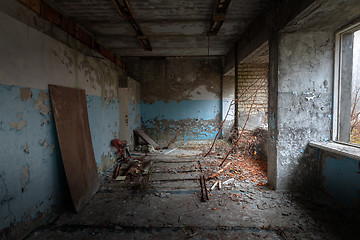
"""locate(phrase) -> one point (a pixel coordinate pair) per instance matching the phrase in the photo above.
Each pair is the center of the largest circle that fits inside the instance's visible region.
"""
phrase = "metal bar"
(204, 194)
(218, 16)
(126, 12)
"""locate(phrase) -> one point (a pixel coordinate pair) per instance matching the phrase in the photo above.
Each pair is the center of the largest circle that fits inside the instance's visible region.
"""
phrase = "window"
(347, 86)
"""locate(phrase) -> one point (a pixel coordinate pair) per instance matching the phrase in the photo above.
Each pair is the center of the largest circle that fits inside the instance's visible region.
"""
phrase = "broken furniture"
(124, 154)
(145, 137)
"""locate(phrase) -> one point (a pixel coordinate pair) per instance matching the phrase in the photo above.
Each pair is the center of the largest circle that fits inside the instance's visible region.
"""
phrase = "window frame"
(337, 83)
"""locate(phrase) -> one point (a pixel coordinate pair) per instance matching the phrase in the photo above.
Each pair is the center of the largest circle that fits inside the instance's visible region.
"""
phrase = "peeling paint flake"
(25, 177)
(26, 149)
(25, 94)
(45, 120)
(44, 143)
(18, 125)
(40, 105)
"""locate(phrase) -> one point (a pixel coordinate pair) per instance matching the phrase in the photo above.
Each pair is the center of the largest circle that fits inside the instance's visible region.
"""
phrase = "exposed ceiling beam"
(126, 12)
(219, 16)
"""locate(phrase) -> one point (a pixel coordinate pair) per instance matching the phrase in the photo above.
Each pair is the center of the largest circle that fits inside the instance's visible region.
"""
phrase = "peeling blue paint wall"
(104, 126)
(181, 98)
(341, 178)
(134, 116)
(162, 116)
(32, 176)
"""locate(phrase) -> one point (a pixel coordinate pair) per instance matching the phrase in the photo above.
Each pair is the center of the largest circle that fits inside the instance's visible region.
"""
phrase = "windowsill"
(338, 148)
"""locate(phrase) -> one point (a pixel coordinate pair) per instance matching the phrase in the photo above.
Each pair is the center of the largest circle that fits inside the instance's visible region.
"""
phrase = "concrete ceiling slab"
(175, 28)
(326, 15)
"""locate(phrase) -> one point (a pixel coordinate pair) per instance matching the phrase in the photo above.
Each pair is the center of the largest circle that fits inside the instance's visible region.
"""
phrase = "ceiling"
(326, 16)
(174, 28)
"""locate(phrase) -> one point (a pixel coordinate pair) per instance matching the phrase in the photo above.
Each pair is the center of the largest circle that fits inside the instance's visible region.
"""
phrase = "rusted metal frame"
(126, 12)
(204, 194)
(218, 16)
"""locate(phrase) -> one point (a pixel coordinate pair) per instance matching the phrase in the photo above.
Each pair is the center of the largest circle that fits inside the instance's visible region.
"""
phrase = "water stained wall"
(32, 178)
(181, 98)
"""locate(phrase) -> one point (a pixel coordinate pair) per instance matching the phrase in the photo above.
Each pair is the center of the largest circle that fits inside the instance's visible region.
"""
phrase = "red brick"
(82, 36)
(106, 53)
(33, 5)
(50, 14)
(119, 62)
(67, 26)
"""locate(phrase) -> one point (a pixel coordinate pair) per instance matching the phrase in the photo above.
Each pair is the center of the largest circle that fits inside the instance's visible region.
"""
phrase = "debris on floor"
(169, 206)
(140, 133)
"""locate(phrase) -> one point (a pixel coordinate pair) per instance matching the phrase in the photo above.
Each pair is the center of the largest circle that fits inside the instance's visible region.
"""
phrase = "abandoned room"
(159, 119)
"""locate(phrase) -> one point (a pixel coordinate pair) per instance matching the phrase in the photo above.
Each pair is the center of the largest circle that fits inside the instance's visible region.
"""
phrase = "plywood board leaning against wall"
(72, 125)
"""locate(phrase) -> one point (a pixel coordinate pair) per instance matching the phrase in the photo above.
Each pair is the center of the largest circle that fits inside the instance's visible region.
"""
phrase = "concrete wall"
(340, 178)
(300, 96)
(134, 107)
(32, 177)
(228, 96)
(181, 97)
(130, 115)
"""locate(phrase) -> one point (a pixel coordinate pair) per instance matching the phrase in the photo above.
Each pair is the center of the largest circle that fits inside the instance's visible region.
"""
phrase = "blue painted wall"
(104, 126)
(181, 98)
(134, 111)
(341, 178)
(195, 119)
(32, 182)
(32, 178)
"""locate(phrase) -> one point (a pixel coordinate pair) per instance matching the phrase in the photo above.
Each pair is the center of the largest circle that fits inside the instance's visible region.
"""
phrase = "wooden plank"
(72, 125)
(145, 137)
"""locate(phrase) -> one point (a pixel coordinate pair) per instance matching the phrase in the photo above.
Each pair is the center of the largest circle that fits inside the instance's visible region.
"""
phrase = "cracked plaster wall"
(32, 178)
(228, 95)
(301, 68)
(181, 98)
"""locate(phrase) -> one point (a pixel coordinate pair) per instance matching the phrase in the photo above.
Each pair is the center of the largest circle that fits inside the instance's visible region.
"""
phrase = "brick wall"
(252, 77)
(248, 74)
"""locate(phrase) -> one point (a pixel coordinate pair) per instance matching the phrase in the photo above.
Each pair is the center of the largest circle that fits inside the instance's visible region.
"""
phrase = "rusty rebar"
(243, 128)
(233, 102)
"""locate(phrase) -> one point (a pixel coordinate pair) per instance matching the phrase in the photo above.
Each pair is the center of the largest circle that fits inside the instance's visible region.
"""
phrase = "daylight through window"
(347, 86)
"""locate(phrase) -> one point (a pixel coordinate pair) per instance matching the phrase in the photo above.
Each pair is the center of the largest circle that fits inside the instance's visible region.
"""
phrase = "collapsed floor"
(166, 204)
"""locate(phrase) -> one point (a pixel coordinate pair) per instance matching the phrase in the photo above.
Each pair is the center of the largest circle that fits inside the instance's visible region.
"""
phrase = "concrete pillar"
(300, 95)
(228, 91)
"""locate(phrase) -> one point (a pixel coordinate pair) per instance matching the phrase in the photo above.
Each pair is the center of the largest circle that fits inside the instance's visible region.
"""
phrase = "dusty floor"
(166, 204)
